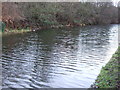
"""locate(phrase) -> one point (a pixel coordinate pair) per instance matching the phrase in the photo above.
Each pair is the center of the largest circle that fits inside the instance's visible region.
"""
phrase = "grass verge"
(109, 75)
(14, 31)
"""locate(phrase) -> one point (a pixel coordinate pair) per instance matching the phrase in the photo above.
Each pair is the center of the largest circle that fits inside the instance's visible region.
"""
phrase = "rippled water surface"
(62, 58)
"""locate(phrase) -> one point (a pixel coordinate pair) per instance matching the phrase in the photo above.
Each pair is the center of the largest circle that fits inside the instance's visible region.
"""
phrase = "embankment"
(109, 75)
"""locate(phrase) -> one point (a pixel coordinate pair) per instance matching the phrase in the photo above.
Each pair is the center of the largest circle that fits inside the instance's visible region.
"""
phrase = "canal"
(57, 58)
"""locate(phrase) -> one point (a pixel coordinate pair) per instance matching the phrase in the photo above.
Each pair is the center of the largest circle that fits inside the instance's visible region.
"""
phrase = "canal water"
(57, 58)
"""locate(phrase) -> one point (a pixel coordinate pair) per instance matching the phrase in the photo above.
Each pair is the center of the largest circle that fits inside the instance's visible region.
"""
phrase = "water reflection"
(57, 58)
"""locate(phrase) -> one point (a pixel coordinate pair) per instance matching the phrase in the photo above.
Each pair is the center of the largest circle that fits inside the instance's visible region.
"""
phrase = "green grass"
(14, 31)
(108, 77)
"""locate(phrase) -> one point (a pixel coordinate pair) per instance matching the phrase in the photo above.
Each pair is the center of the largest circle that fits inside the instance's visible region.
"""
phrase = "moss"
(15, 31)
(108, 77)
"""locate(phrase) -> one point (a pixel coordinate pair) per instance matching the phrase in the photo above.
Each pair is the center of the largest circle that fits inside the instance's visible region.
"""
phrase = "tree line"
(53, 14)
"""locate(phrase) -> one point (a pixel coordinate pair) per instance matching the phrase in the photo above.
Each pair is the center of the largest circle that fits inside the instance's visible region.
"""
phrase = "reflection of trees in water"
(51, 42)
(54, 46)
(11, 61)
(94, 44)
(36, 54)
(9, 42)
(42, 64)
(67, 39)
(25, 56)
(95, 36)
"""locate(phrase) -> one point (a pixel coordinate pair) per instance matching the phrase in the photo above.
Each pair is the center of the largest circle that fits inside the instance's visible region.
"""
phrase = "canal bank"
(39, 15)
(109, 75)
(15, 32)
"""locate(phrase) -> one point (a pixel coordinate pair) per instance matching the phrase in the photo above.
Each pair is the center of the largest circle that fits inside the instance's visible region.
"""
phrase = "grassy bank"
(15, 31)
(109, 75)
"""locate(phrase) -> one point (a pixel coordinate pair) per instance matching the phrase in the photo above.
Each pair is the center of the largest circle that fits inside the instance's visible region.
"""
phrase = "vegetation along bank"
(35, 16)
(109, 75)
